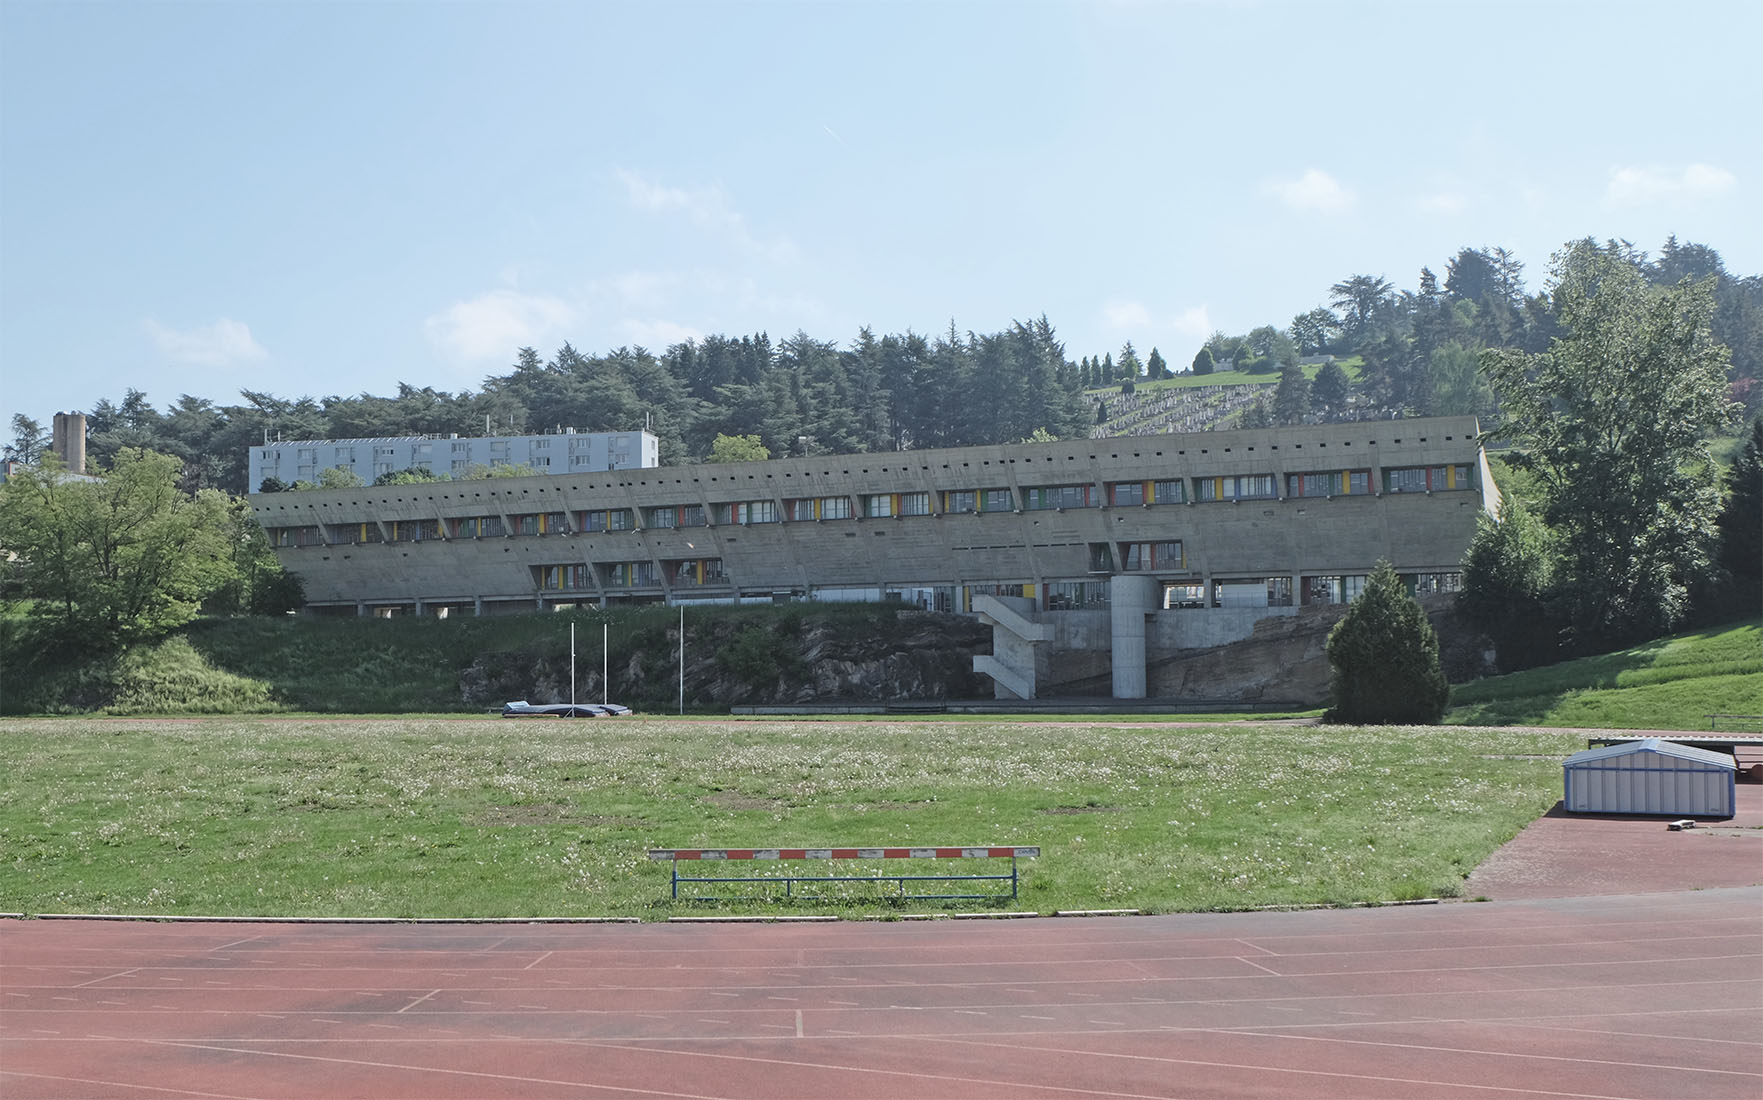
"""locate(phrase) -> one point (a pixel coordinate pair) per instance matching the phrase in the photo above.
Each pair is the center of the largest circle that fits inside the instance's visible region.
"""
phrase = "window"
(1423, 479)
(1252, 592)
(460, 446)
(628, 574)
(1183, 595)
(1241, 487)
(384, 452)
(1167, 492)
(614, 519)
(539, 462)
(294, 536)
(1126, 494)
(799, 511)
(1101, 558)
(1331, 589)
(877, 505)
(415, 530)
(541, 445)
(1335, 483)
(690, 574)
(1146, 556)
(835, 507)
(346, 454)
(915, 504)
(995, 500)
(744, 512)
(477, 527)
(1077, 595)
(564, 577)
(961, 500)
(1432, 584)
(970, 591)
(1057, 496)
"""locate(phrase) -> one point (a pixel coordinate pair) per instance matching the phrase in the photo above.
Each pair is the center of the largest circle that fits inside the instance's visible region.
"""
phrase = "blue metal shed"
(1650, 776)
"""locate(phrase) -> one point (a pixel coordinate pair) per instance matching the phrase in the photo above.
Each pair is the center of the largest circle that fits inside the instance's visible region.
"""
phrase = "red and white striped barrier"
(843, 853)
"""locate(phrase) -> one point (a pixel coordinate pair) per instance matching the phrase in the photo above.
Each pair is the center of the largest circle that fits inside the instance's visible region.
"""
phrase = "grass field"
(486, 818)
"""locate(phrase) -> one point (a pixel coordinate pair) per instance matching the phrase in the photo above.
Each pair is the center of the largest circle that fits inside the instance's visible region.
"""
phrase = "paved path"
(1618, 959)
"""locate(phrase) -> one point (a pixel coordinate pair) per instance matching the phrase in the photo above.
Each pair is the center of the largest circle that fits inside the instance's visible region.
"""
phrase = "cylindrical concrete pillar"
(1130, 599)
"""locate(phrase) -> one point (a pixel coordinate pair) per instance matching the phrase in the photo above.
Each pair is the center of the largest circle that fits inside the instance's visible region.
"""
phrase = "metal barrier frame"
(676, 856)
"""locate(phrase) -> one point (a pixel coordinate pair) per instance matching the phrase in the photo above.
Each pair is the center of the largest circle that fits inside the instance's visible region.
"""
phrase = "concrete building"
(1130, 546)
(565, 452)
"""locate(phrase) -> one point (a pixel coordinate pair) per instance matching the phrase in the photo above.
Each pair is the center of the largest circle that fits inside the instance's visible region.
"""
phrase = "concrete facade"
(1233, 526)
(565, 452)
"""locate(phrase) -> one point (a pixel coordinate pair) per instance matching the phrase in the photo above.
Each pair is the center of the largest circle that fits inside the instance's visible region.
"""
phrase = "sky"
(331, 198)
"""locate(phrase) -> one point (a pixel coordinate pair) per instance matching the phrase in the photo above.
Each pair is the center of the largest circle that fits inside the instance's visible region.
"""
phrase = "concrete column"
(477, 606)
(360, 609)
(1130, 599)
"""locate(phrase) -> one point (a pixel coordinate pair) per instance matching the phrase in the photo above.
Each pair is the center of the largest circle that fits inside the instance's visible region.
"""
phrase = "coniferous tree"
(1155, 367)
(1203, 360)
(1384, 659)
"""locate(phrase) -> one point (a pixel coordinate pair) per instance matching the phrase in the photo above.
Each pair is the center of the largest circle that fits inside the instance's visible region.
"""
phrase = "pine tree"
(1384, 657)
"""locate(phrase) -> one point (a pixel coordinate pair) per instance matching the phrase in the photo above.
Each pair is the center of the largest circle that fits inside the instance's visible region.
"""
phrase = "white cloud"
(1192, 322)
(1639, 186)
(1314, 190)
(1126, 314)
(493, 325)
(225, 343)
(708, 208)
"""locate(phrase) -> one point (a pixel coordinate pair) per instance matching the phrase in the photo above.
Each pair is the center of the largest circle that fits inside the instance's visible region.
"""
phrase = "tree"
(1613, 419)
(1741, 524)
(1362, 300)
(1155, 367)
(738, 448)
(29, 441)
(1384, 659)
(1507, 577)
(339, 477)
(1328, 390)
(1203, 363)
(1130, 368)
(1312, 331)
(116, 558)
(1291, 398)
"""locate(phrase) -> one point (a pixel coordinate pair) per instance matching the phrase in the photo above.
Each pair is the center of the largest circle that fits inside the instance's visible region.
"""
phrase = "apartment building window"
(1101, 558)
(1077, 595)
(1252, 592)
(294, 536)
(1333, 483)
(540, 445)
(539, 462)
(1329, 589)
(1126, 494)
(968, 592)
(384, 452)
(381, 468)
(415, 530)
(1146, 556)
(915, 504)
(1240, 487)
(1041, 499)
(835, 507)
(627, 574)
(747, 512)
(1183, 595)
(694, 573)
(345, 455)
(800, 511)
(564, 578)
(1433, 584)
(612, 519)
(961, 500)
(1425, 479)
(995, 500)
(351, 534)
(1167, 492)
(878, 505)
(477, 527)
(460, 446)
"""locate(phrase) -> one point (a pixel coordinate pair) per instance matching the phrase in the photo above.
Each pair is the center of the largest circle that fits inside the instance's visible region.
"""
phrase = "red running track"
(1650, 995)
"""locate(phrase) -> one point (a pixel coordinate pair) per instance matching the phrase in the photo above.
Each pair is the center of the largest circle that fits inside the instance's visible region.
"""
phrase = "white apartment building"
(567, 452)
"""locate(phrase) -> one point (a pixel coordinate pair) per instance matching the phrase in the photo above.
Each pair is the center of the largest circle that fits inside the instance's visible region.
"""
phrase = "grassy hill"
(1671, 683)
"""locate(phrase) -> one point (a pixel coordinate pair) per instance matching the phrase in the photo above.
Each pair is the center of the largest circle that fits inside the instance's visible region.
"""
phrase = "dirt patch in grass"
(735, 800)
(1082, 810)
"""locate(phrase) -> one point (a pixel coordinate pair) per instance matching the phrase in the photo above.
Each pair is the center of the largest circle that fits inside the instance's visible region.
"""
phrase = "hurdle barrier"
(688, 856)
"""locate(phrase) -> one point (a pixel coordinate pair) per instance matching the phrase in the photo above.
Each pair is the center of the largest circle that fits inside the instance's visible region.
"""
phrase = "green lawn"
(490, 818)
(1670, 684)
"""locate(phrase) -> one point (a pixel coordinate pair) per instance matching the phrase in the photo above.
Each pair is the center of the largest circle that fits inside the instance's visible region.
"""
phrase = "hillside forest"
(1416, 352)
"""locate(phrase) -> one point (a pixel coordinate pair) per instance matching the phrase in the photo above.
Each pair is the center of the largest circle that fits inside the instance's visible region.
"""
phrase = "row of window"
(579, 577)
(1413, 479)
